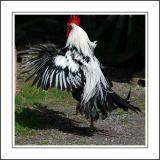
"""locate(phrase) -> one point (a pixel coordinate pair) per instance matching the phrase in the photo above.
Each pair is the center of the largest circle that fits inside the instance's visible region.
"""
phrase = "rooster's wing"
(50, 67)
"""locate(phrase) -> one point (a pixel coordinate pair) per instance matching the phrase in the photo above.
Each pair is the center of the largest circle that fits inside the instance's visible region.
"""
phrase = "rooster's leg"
(99, 131)
(92, 123)
(77, 108)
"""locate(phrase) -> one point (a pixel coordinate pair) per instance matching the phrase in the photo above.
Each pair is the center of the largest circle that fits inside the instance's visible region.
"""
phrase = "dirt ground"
(63, 127)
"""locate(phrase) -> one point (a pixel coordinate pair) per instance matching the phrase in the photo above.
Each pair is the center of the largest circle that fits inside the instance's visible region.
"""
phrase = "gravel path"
(127, 129)
(63, 127)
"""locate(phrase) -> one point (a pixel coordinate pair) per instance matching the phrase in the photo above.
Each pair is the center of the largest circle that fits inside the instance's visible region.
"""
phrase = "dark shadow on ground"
(40, 117)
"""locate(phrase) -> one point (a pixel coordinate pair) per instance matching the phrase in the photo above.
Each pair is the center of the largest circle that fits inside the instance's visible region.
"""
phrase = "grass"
(29, 103)
(119, 111)
(27, 95)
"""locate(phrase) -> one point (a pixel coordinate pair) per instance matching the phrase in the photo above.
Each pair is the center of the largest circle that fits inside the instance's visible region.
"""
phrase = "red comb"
(73, 19)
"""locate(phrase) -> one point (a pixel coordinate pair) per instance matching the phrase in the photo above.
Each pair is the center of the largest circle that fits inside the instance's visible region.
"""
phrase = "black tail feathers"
(95, 108)
(128, 96)
(123, 103)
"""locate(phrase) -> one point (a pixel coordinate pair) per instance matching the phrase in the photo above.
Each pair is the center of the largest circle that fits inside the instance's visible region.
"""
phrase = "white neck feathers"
(79, 39)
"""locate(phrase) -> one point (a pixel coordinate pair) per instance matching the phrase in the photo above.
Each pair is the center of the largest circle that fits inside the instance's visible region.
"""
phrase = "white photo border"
(151, 151)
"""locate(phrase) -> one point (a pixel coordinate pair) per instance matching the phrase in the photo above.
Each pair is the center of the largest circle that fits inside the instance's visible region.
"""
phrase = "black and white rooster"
(75, 68)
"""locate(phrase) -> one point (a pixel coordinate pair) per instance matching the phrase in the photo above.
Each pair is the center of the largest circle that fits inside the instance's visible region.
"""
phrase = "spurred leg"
(100, 131)
(92, 123)
(77, 108)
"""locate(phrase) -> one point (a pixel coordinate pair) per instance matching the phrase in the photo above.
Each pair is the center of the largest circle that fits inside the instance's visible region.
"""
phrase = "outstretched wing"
(52, 68)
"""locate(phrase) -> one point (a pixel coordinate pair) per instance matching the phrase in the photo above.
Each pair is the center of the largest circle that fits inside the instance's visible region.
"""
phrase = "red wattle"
(68, 31)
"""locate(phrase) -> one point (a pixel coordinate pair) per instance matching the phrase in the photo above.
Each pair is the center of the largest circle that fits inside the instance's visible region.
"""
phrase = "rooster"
(75, 68)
